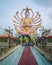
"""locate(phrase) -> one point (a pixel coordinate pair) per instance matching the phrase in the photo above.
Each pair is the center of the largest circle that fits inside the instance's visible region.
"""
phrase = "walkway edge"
(11, 51)
(43, 53)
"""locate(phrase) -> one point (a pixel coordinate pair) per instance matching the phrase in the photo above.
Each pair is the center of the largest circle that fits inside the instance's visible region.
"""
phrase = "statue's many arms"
(27, 24)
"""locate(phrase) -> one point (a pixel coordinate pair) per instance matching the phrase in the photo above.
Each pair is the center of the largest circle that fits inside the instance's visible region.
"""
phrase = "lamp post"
(9, 36)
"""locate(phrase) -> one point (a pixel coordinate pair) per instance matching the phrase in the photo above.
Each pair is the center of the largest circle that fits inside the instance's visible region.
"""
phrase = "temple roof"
(6, 36)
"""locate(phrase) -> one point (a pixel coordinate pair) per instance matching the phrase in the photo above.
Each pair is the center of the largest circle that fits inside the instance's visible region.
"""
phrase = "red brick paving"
(27, 57)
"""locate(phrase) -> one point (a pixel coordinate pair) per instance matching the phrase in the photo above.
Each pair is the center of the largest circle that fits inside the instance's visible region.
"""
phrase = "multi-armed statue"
(27, 24)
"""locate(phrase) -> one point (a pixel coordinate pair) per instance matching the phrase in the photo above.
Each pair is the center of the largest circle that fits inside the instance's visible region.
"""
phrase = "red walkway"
(27, 58)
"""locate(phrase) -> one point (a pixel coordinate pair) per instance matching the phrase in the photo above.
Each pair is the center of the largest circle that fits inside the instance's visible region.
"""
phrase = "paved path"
(27, 57)
(13, 58)
(9, 52)
(40, 58)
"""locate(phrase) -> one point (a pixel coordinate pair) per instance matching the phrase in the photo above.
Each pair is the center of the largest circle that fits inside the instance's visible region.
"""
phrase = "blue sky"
(9, 7)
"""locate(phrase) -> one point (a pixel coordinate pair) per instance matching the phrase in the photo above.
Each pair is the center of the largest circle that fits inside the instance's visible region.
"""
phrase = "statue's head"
(27, 13)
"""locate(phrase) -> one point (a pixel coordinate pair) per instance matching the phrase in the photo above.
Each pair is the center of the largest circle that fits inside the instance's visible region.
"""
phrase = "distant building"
(47, 38)
(5, 39)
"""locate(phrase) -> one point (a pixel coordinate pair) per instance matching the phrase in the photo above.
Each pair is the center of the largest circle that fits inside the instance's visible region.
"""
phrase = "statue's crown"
(27, 10)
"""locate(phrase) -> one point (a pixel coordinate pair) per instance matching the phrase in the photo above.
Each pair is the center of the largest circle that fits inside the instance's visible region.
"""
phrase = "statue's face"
(27, 14)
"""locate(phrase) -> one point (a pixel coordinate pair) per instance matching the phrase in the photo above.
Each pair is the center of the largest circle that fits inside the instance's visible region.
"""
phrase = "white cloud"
(43, 3)
(49, 12)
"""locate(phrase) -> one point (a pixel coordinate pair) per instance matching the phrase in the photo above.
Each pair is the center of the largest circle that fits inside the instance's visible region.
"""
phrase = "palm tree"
(9, 33)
